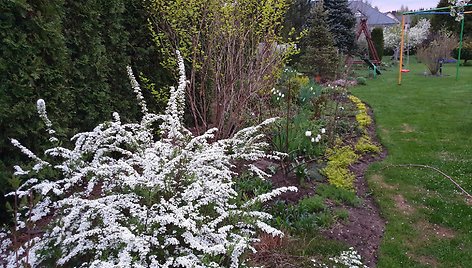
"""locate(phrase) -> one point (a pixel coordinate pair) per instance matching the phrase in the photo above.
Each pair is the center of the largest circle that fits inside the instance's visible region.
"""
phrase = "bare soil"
(365, 227)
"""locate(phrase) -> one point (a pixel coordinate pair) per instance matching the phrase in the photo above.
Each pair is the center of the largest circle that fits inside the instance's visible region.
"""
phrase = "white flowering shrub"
(130, 195)
(414, 36)
(349, 259)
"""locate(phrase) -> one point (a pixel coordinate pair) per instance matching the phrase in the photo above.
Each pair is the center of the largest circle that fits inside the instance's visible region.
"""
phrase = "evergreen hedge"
(72, 54)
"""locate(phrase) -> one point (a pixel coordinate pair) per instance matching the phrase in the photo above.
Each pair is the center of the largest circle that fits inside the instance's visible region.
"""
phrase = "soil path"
(364, 228)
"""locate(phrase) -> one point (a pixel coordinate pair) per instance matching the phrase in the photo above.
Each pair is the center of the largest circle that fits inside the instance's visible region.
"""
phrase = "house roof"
(374, 17)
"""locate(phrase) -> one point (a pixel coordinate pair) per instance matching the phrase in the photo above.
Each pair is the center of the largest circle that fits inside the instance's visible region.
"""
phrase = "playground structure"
(374, 59)
(434, 11)
(364, 29)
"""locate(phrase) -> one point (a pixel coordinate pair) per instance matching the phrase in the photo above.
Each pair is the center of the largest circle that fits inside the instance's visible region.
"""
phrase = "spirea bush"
(146, 194)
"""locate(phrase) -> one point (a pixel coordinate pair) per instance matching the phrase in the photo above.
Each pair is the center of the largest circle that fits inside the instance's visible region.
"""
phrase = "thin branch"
(438, 171)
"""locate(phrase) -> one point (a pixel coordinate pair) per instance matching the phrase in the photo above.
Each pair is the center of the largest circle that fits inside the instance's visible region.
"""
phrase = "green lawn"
(427, 120)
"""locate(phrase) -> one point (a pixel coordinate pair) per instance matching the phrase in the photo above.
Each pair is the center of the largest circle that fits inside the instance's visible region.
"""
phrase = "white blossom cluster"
(277, 93)
(414, 36)
(129, 195)
(349, 258)
(318, 137)
(457, 10)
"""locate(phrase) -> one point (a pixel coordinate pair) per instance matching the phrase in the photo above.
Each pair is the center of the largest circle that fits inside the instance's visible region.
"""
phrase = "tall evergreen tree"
(378, 39)
(318, 54)
(342, 24)
(296, 16)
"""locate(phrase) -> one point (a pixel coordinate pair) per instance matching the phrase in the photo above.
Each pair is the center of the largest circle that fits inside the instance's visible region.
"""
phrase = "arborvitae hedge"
(72, 54)
(378, 39)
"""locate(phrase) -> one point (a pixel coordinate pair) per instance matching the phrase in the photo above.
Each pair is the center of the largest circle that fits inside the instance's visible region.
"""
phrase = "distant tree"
(466, 52)
(403, 9)
(296, 16)
(318, 54)
(378, 39)
(450, 23)
(342, 24)
(416, 35)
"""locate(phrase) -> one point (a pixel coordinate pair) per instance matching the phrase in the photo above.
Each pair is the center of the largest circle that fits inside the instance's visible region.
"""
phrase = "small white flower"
(308, 133)
(323, 131)
(312, 139)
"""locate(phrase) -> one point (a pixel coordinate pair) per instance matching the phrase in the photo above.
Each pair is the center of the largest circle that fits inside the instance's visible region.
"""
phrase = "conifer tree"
(319, 54)
(378, 39)
(342, 24)
(296, 16)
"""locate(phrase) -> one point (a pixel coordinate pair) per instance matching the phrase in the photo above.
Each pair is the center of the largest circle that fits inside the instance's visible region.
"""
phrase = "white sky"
(389, 5)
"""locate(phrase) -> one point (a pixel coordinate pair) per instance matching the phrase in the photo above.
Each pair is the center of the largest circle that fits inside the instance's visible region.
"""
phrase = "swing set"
(435, 11)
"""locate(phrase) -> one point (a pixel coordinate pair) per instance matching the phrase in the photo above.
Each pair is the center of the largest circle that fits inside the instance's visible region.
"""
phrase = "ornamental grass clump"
(130, 195)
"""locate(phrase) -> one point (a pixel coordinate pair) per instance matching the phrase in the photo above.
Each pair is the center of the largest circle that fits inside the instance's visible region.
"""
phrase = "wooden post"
(460, 49)
(401, 52)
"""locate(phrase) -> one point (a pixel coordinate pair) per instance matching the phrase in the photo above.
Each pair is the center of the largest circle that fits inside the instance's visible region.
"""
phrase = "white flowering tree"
(414, 36)
(130, 195)
(458, 9)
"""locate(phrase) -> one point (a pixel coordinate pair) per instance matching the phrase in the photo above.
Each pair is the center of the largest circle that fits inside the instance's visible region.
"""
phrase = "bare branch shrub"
(235, 53)
(439, 48)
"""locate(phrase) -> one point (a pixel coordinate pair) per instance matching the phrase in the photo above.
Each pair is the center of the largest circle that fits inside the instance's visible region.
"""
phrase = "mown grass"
(426, 120)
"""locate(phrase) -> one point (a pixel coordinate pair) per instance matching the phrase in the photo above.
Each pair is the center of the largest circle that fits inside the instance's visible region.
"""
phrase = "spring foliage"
(128, 195)
(337, 170)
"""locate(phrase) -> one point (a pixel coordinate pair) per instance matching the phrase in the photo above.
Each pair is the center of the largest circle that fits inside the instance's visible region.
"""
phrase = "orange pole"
(401, 52)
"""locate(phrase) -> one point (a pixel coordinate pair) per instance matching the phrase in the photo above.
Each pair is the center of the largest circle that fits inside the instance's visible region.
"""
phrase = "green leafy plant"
(361, 80)
(311, 204)
(337, 169)
(297, 143)
(365, 145)
(338, 195)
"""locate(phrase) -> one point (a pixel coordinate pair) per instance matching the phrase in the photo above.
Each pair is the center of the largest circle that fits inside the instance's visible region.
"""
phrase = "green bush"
(341, 214)
(361, 81)
(309, 214)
